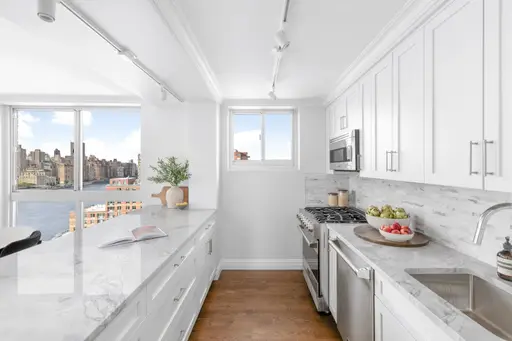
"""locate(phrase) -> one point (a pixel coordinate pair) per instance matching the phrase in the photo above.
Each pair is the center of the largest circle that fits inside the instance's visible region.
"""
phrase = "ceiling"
(237, 36)
(224, 45)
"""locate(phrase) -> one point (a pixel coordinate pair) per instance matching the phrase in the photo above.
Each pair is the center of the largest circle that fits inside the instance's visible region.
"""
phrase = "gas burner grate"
(337, 215)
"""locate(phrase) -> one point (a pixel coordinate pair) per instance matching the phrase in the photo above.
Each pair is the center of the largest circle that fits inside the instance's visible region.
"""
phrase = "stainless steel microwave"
(344, 152)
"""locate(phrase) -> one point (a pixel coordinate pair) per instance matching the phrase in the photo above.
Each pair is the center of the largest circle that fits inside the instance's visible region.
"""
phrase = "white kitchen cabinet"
(353, 108)
(367, 132)
(406, 159)
(382, 94)
(454, 68)
(333, 288)
(497, 142)
(387, 326)
(331, 112)
(339, 117)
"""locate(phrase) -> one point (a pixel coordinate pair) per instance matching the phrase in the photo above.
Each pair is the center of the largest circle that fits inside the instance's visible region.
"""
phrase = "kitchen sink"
(479, 299)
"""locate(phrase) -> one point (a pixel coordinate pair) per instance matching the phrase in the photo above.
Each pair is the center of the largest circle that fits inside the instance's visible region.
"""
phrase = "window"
(263, 138)
(72, 166)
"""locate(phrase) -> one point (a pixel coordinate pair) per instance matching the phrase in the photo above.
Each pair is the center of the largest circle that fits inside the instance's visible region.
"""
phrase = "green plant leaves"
(170, 170)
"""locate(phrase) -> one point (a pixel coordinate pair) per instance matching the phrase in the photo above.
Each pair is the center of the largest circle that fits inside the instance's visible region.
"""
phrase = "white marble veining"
(69, 290)
(446, 214)
(319, 185)
(392, 263)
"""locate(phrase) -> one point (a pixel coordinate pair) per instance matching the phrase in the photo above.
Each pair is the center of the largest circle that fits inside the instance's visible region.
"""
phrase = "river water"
(51, 218)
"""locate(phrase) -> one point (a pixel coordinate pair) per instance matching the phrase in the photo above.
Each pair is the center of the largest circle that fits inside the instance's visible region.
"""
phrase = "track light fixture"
(272, 95)
(46, 10)
(163, 94)
(128, 55)
(282, 41)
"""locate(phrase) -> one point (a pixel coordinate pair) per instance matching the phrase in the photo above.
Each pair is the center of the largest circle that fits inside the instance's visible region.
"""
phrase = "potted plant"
(170, 170)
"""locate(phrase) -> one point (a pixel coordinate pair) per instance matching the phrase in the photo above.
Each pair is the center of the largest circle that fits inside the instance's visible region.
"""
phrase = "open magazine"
(138, 234)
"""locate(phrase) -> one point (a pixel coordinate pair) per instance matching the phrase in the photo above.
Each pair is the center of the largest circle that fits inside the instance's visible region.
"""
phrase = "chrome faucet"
(484, 218)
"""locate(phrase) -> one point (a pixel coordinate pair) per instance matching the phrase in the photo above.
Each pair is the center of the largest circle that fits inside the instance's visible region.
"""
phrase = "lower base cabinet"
(387, 326)
(168, 306)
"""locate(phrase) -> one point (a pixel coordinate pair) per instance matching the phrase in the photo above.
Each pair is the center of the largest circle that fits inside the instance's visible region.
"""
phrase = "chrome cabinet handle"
(180, 296)
(364, 273)
(178, 264)
(471, 144)
(487, 142)
(392, 169)
(182, 335)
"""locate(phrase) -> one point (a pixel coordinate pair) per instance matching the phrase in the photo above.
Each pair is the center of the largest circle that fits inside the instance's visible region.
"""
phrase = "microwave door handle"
(364, 273)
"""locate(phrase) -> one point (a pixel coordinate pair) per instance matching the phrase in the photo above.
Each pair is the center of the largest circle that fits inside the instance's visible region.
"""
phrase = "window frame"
(263, 164)
(77, 194)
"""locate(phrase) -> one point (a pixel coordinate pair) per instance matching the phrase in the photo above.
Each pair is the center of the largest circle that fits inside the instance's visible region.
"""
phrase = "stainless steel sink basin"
(480, 300)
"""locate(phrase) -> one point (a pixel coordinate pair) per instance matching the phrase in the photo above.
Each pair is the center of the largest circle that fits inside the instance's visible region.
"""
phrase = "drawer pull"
(178, 264)
(182, 335)
(180, 296)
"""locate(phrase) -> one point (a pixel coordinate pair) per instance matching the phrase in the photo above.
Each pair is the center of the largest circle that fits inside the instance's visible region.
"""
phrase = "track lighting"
(272, 95)
(46, 10)
(163, 94)
(127, 55)
(282, 40)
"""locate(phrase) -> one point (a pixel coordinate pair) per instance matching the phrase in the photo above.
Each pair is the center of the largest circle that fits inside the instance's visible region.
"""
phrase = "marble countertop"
(392, 263)
(68, 289)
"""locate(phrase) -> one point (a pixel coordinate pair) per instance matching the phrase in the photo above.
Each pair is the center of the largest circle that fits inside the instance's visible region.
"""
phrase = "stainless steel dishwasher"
(354, 294)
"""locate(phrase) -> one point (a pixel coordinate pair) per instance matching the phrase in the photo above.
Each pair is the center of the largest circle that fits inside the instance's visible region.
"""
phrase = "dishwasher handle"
(364, 273)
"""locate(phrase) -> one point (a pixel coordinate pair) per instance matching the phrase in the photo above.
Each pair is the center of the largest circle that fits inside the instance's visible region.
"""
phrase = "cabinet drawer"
(170, 324)
(171, 279)
(126, 323)
(419, 325)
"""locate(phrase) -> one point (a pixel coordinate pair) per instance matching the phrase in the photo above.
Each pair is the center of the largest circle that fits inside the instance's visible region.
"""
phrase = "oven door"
(344, 152)
(311, 258)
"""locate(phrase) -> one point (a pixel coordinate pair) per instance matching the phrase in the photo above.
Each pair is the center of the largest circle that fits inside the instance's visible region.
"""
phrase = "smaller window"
(263, 139)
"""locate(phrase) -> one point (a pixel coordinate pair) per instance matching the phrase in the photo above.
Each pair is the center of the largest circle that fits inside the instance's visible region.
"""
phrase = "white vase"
(173, 196)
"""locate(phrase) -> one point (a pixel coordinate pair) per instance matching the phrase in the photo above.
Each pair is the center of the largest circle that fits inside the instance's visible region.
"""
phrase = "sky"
(278, 135)
(108, 133)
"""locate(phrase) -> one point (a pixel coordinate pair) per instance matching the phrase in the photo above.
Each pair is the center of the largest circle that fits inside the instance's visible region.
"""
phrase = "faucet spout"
(484, 218)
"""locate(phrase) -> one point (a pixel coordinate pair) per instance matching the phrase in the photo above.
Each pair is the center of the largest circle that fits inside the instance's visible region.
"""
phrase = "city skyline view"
(107, 133)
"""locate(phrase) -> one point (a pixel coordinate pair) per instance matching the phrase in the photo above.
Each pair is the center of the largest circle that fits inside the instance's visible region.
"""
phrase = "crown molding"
(175, 20)
(412, 16)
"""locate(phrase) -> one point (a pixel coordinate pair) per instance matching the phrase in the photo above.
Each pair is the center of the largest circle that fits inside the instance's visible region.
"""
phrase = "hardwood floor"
(261, 305)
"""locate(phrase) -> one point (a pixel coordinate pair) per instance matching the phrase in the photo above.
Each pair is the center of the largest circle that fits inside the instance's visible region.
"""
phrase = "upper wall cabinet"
(497, 142)
(346, 112)
(367, 135)
(407, 154)
(454, 95)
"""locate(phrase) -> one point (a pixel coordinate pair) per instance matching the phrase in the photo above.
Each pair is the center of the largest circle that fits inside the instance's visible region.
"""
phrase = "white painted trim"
(71, 195)
(69, 100)
(412, 16)
(261, 264)
(175, 20)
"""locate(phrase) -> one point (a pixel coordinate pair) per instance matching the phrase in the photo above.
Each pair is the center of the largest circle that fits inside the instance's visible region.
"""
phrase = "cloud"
(123, 150)
(68, 118)
(25, 121)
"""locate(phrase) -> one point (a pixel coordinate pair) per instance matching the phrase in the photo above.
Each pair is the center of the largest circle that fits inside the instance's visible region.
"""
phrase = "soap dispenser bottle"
(504, 261)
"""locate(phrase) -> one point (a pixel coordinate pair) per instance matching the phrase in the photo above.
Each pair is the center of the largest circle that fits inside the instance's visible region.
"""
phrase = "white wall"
(188, 131)
(257, 209)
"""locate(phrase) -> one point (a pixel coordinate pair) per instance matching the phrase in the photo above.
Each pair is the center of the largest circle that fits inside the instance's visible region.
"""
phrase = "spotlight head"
(282, 40)
(163, 94)
(46, 10)
(272, 95)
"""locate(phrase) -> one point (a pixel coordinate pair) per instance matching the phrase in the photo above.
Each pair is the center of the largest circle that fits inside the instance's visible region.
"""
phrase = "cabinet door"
(498, 104)
(387, 327)
(367, 131)
(330, 120)
(340, 116)
(454, 95)
(333, 289)
(354, 108)
(407, 156)
(382, 77)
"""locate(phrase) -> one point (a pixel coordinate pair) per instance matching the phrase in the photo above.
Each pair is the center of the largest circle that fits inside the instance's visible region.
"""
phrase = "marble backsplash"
(446, 214)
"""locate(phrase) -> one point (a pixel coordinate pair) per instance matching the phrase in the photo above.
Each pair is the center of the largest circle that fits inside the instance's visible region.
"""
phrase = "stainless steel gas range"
(315, 246)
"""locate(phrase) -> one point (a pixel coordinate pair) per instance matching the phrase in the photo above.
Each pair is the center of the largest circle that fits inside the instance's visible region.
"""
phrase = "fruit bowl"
(399, 238)
(377, 222)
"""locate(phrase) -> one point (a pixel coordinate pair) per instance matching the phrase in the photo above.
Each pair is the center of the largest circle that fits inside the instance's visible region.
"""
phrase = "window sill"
(262, 167)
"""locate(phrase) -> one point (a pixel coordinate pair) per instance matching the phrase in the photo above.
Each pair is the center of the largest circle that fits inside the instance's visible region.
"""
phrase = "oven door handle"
(364, 273)
(311, 243)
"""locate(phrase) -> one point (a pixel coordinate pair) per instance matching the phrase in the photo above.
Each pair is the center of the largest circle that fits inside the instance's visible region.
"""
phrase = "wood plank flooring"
(261, 306)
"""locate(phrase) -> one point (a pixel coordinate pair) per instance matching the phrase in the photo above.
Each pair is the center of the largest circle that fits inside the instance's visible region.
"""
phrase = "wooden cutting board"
(373, 235)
